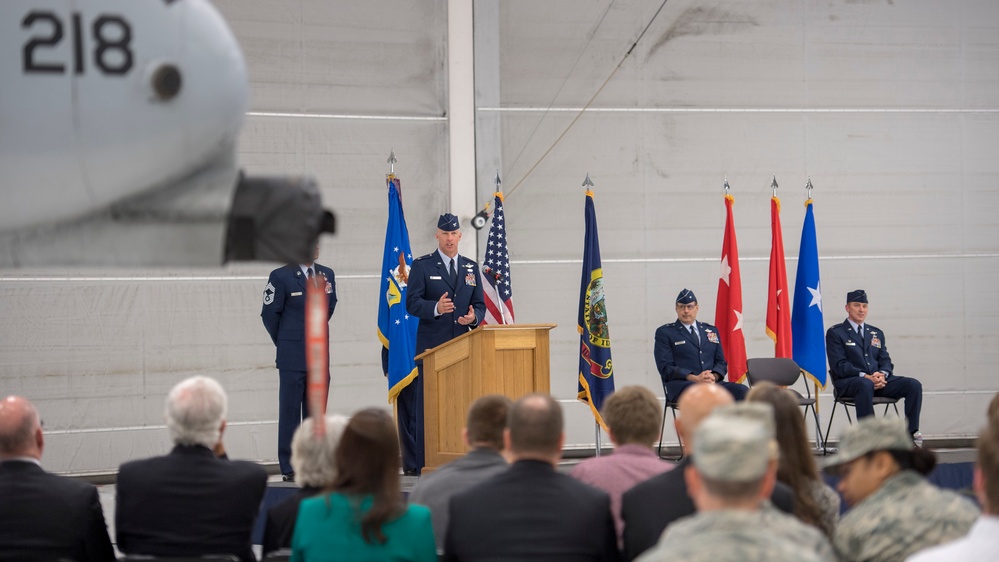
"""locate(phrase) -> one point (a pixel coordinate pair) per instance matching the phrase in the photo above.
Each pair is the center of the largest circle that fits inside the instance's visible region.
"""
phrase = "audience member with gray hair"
(312, 460)
(43, 516)
(732, 473)
(896, 511)
(190, 502)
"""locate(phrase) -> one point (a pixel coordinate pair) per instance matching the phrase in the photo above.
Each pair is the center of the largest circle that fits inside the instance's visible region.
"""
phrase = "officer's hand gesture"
(468, 318)
(444, 304)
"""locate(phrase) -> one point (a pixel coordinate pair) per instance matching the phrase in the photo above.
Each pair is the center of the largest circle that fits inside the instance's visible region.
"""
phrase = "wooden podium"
(508, 359)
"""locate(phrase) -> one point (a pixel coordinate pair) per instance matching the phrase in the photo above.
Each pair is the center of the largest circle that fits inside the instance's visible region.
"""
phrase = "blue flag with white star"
(396, 327)
(807, 329)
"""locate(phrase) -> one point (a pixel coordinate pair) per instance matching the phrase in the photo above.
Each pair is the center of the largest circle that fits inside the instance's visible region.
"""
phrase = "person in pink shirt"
(634, 419)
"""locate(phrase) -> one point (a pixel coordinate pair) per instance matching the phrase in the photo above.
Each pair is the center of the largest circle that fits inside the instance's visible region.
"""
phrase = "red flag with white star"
(778, 309)
(728, 305)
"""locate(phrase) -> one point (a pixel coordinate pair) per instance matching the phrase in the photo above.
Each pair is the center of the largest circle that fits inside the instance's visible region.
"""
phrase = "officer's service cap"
(686, 296)
(870, 434)
(735, 443)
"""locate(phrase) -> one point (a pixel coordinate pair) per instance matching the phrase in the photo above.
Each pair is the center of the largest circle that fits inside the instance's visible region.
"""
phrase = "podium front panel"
(510, 360)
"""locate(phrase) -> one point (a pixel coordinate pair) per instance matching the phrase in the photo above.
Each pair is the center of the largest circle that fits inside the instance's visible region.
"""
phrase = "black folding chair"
(669, 405)
(848, 403)
(784, 372)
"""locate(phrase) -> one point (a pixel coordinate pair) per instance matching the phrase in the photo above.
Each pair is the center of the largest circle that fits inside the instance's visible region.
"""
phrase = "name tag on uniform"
(437, 277)
(298, 294)
(850, 343)
(681, 342)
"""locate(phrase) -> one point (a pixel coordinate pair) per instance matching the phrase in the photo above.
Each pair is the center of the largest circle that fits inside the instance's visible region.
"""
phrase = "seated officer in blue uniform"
(444, 293)
(862, 369)
(688, 352)
(283, 313)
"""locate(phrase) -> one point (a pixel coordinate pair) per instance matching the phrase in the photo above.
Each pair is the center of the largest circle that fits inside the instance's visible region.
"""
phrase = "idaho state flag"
(778, 310)
(396, 328)
(806, 318)
(596, 370)
(728, 305)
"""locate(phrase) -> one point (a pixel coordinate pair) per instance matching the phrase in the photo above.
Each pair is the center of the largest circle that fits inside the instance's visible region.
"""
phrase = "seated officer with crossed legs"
(688, 352)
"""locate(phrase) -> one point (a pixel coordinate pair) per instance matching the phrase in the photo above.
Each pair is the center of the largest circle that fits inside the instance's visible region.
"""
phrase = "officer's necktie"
(308, 273)
(697, 336)
(860, 332)
(454, 274)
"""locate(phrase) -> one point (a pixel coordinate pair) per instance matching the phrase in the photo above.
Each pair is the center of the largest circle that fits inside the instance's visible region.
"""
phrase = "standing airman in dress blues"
(283, 313)
(862, 369)
(444, 293)
(688, 352)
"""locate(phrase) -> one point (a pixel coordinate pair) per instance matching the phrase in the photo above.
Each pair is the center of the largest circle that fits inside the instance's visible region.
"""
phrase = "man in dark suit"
(862, 369)
(43, 516)
(190, 502)
(444, 293)
(649, 507)
(483, 435)
(688, 352)
(531, 511)
(283, 313)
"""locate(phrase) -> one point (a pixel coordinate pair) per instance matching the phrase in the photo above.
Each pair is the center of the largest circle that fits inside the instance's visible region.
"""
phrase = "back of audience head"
(312, 456)
(20, 429)
(633, 415)
(987, 469)
(486, 421)
(534, 428)
(734, 461)
(796, 467)
(873, 450)
(696, 402)
(367, 463)
(993, 412)
(195, 412)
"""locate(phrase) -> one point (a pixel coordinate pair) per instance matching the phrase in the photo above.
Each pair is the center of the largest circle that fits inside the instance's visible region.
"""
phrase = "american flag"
(496, 286)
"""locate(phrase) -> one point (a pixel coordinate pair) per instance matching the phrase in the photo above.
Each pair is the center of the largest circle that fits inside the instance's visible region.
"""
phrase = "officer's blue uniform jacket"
(428, 280)
(679, 354)
(849, 356)
(283, 312)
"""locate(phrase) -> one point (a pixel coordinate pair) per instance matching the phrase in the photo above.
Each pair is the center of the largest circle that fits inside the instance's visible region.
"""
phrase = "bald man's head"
(696, 402)
(20, 429)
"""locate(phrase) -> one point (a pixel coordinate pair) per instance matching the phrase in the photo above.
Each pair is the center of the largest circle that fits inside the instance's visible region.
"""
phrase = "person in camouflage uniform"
(896, 511)
(733, 470)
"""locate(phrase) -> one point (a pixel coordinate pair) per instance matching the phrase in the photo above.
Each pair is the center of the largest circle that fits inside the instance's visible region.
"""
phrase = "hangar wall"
(890, 108)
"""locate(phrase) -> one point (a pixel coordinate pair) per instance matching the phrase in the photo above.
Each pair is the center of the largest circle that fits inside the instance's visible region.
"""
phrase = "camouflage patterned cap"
(870, 434)
(735, 443)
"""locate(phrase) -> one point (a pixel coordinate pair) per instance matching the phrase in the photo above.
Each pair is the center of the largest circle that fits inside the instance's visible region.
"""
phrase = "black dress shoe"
(290, 477)
(411, 472)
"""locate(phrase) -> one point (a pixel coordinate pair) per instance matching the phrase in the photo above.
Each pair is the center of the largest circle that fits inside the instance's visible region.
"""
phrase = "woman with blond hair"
(363, 516)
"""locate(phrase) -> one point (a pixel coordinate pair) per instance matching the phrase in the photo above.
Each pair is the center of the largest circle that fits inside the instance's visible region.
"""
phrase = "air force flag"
(807, 333)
